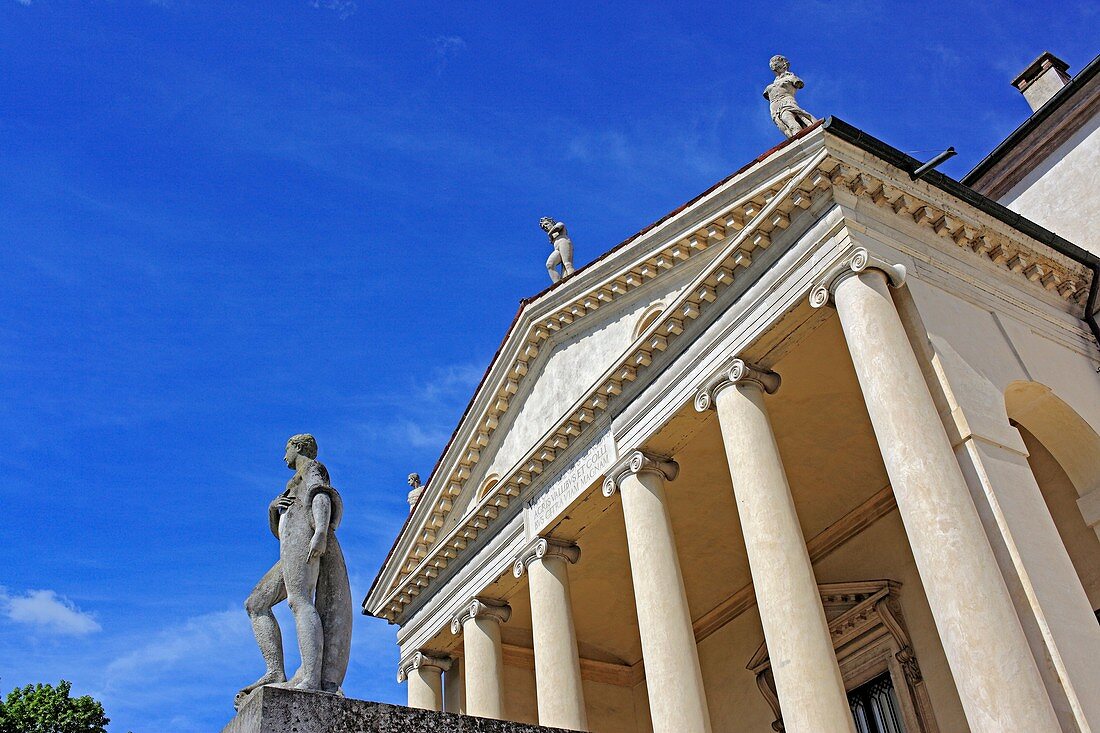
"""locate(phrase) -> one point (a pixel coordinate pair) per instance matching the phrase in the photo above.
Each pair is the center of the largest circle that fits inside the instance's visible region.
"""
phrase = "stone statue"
(787, 115)
(417, 489)
(310, 575)
(563, 249)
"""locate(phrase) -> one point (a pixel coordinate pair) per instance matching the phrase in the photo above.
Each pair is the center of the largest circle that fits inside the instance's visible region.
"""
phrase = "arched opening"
(487, 485)
(648, 317)
(1065, 459)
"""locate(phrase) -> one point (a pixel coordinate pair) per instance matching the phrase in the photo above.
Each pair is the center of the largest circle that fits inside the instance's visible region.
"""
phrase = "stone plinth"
(274, 710)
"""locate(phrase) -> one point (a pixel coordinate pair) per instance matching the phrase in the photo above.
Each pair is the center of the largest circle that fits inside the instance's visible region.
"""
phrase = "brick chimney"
(1042, 79)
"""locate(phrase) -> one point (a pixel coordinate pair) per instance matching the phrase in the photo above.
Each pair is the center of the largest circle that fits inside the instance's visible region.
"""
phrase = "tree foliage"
(48, 709)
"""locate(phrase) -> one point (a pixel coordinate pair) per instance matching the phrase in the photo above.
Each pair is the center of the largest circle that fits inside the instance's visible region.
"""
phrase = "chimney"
(1042, 79)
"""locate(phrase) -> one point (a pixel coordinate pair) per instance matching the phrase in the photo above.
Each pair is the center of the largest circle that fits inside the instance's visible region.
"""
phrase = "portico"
(712, 482)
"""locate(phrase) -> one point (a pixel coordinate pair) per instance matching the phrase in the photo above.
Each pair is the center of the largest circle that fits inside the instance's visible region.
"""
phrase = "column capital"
(852, 263)
(422, 658)
(544, 547)
(639, 462)
(736, 371)
(489, 608)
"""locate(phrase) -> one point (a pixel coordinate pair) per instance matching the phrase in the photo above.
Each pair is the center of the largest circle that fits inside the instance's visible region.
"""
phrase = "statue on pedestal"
(563, 249)
(310, 575)
(787, 115)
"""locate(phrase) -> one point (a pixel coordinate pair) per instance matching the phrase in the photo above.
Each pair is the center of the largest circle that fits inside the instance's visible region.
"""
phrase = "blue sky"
(223, 223)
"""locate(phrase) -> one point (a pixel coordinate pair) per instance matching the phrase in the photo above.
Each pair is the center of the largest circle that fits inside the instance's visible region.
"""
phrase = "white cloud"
(23, 2)
(48, 611)
(343, 8)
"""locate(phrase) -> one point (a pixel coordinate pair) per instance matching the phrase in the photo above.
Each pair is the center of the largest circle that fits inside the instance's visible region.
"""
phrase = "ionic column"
(997, 680)
(424, 671)
(677, 701)
(479, 623)
(557, 663)
(807, 677)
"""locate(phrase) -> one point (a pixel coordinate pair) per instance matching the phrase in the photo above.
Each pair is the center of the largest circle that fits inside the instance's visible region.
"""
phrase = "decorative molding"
(636, 463)
(488, 608)
(857, 261)
(420, 659)
(870, 638)
(542, 548)
(737, 371)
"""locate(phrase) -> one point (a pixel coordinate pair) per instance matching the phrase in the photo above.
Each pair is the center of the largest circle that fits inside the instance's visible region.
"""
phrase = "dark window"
(875, 708)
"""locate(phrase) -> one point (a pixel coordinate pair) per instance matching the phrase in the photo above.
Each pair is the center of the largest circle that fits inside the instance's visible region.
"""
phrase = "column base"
(275, 710)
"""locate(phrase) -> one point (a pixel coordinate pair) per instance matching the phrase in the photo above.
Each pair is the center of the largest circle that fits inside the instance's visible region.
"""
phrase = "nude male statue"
(786, 114)
(563, 249)
(310, 575)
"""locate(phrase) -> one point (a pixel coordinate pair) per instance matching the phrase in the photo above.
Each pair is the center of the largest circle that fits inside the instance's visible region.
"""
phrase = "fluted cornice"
(639, 462)
(735, 371)
(422, 659)
(545, 547)
(488, 608)
(857, 261)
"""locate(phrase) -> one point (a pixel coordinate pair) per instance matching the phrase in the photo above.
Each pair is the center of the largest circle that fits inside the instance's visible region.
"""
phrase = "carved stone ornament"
(857, 261)
(544, 547)
(639, 462)
(787, 115)
(422, 659)
(870, 638)
(489, 608)
(736, 371)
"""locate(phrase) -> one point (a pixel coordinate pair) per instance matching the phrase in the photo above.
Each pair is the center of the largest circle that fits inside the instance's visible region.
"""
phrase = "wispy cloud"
(343, 8)
(23, 2)
(48, 612)
(447, 48)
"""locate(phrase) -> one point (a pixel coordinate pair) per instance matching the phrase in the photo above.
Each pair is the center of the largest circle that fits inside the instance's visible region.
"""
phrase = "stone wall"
(273, 710)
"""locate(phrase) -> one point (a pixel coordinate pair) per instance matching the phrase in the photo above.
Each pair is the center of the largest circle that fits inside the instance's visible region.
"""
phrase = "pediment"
(574, 349)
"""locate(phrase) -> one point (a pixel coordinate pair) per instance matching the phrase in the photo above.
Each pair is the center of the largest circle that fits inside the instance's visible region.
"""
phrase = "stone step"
(274, 710)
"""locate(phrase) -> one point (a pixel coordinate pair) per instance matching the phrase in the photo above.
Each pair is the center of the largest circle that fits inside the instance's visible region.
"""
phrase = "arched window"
(487, 485)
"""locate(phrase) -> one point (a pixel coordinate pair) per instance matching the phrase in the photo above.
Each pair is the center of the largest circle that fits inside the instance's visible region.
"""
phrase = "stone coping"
(275, 710)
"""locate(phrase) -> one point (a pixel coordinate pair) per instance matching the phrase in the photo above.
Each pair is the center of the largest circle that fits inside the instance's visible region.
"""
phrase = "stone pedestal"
(274, 710)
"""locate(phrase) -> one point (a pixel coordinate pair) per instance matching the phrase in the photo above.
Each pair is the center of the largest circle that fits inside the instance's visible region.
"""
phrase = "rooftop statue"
(417, 489)
(787, 115)
(310, 575)
(563, 249)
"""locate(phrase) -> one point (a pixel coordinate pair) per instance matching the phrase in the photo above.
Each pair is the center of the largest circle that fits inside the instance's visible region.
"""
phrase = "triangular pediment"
(576, 349)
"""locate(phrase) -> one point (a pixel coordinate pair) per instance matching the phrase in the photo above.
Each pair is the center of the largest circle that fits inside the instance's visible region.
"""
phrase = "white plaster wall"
(1061, 194)
(611, 709)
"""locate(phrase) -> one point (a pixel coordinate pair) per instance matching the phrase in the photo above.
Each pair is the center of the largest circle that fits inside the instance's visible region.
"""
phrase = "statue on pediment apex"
(787, 115)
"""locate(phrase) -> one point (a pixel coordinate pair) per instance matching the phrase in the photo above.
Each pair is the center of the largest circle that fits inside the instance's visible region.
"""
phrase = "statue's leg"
(300, 577)
(565, 253)
(552, 265)
(334, 605)
(268, 592)
(791, 124)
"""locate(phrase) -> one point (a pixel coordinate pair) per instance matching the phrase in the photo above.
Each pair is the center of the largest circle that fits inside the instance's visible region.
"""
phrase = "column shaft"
(557, 663)
(677, 701)
(484, 665)
(807, 677)
(994, 673)
(426, 688)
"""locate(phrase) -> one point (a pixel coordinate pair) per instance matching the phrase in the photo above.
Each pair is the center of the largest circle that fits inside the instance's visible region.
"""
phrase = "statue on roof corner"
(787, 115)
(310, 574)
(563, 249)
